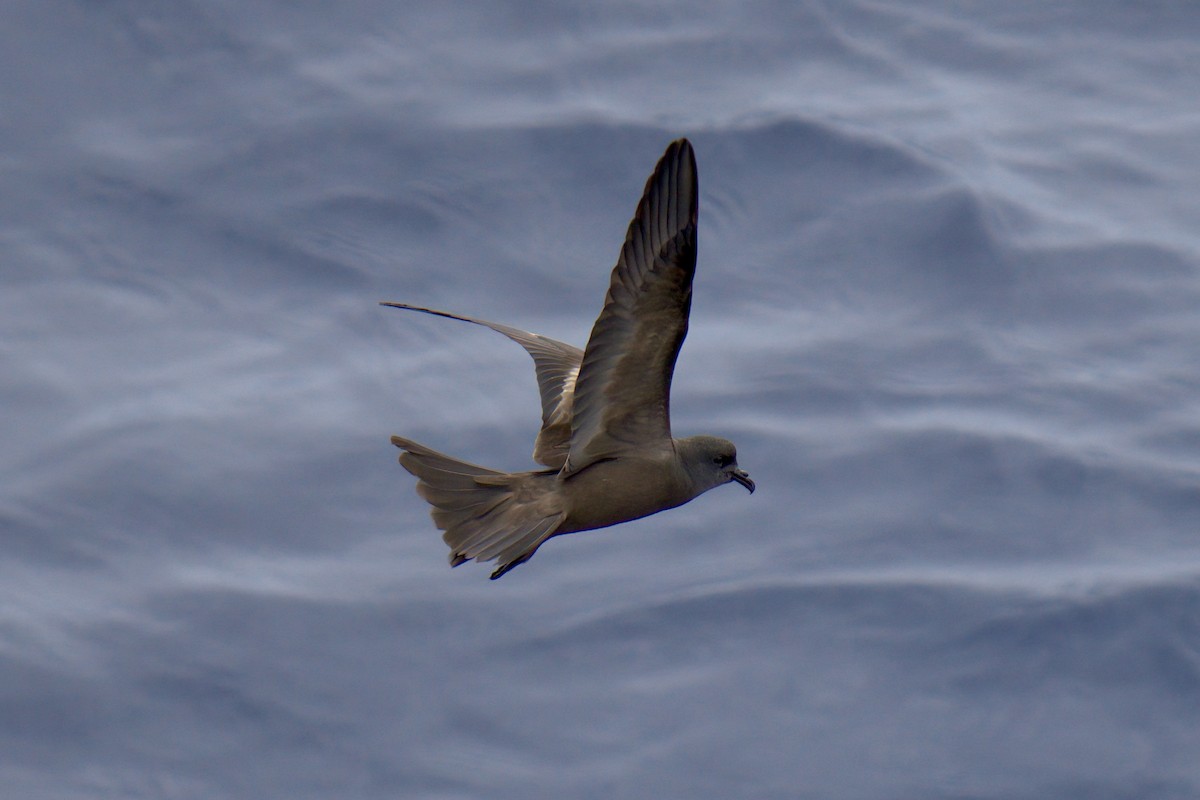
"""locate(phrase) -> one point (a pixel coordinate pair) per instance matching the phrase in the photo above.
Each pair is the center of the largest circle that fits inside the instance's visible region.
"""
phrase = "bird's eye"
(722, 461)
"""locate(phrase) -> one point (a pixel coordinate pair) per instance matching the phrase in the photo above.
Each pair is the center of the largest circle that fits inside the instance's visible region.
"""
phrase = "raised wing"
(622, 395)
(557, 366)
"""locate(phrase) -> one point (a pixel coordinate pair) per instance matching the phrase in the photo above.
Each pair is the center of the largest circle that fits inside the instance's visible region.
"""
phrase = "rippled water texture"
(948, 306)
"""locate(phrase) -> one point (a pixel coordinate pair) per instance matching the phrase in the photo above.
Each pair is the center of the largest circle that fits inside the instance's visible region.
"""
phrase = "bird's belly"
(618, 491)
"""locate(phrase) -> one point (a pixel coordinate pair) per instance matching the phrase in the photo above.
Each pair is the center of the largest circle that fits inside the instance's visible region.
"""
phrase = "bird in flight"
(606, 430)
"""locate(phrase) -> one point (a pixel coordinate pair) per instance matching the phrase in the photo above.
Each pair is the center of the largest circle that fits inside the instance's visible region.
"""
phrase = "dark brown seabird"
(606, 428)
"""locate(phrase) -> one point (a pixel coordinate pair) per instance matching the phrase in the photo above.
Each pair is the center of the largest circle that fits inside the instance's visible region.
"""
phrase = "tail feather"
(466, 512)
(484, 514)
(520, 551)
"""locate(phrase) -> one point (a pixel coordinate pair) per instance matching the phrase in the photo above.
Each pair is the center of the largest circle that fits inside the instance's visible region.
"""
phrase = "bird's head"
(711, 461)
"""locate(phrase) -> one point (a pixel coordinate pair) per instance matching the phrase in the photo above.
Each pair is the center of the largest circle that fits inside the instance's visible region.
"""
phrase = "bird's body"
(623, 489)
(606, 437)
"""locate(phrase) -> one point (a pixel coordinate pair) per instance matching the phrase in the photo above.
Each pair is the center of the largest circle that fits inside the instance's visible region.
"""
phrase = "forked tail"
(485, 514)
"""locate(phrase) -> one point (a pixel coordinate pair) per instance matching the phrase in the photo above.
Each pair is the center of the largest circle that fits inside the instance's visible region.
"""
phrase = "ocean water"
(947, 304)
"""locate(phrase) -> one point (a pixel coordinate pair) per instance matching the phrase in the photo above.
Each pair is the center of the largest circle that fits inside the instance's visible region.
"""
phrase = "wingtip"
(671, 199)
(683, 146)
(679, 165)
(681, 150)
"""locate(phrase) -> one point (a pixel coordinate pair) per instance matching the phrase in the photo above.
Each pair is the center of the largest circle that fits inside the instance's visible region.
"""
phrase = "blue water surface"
(947, 304)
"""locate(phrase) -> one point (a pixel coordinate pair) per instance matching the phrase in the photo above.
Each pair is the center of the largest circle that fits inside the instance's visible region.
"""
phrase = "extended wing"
(557, 366)
(622, 394)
